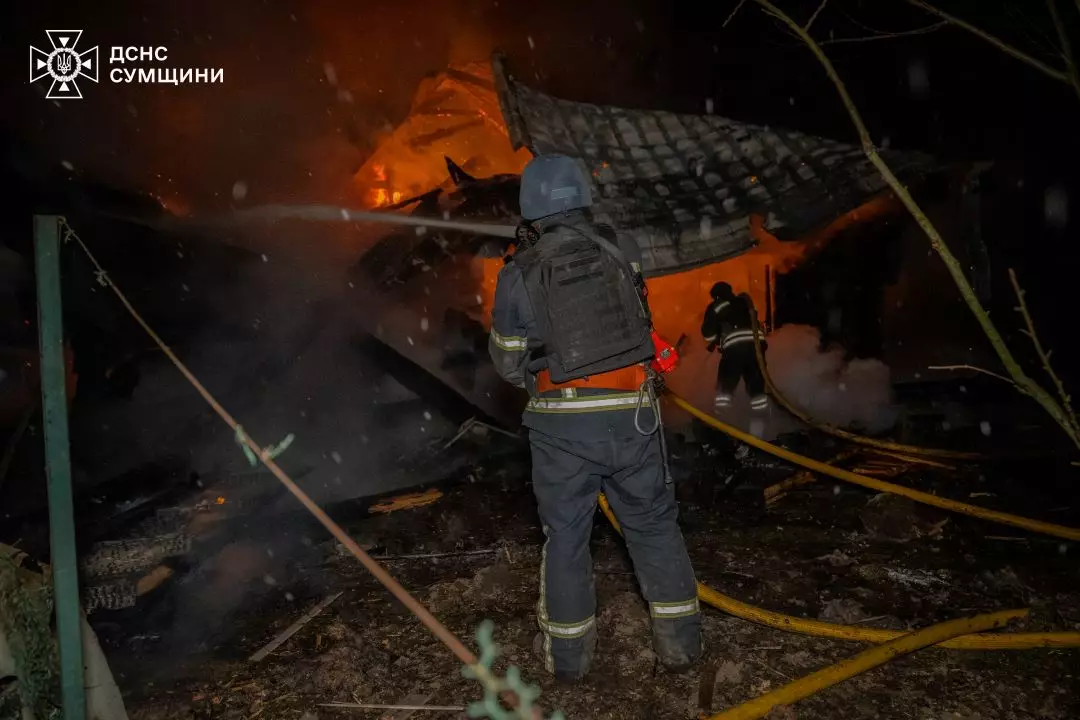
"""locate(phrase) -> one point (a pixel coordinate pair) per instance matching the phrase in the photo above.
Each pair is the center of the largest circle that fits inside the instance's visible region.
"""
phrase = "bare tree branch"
(738, 8)
(999, 44)
(1066, 46)
(887, 36)
(1019, 377)
(814, 16)
(976, 369)
(1044, 356)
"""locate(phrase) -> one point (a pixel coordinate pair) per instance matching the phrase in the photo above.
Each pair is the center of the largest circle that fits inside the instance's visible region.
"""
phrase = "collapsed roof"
(685, 186)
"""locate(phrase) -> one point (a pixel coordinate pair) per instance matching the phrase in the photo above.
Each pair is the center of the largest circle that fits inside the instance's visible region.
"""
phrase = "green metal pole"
(58, 466)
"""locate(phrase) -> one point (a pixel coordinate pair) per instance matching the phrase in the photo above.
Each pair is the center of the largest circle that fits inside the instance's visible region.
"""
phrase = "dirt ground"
(823, 551)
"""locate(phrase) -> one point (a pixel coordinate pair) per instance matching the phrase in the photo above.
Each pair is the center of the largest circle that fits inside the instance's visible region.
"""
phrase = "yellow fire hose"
(1038, 526)
(838, 432)
(858, 633)
(866, 660)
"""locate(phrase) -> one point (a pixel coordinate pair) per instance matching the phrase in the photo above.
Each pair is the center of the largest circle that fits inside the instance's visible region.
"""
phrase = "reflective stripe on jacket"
(727, 322)
(569, 402)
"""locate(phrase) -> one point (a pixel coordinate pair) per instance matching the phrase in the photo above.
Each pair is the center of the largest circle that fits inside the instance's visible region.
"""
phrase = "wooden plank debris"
(288, 632)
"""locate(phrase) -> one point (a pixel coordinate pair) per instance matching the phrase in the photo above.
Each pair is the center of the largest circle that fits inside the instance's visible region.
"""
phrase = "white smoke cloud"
(855, 394)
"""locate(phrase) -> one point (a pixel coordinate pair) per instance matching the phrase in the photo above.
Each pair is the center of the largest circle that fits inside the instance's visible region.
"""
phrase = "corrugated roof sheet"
(685, 185)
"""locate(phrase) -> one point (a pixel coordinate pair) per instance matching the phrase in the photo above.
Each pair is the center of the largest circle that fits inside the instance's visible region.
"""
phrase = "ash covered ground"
(822, 551)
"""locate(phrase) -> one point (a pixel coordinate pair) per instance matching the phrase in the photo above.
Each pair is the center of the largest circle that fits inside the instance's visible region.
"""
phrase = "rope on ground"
(859, 633)
(1037, 526)
(838, 432)
(868, 659)
(265, 455)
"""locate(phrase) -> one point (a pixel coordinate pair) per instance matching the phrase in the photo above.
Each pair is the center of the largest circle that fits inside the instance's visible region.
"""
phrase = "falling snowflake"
(708, 106)
(532, 45)
(445, 214)
(1056, 206)
(963, 388)
(239, 190)
(331, 73)
(185, 288)
(67, 165)
(264, 258)
(946, 426)
(289, 596)
(410, 340)
(421, 230)
(269, 580)
(918, 78)
(984, 426)
(427, 415)
(835, 489)
(424, 324)
(336, 457)
(791, 101)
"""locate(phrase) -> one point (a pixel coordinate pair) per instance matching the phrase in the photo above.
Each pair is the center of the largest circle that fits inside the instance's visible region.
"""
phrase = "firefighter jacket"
(727, 322)
(516, 350)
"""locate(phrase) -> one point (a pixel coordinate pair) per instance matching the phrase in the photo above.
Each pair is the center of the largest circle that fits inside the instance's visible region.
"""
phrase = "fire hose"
(869, 659)
(859, 633)
(1039, 526)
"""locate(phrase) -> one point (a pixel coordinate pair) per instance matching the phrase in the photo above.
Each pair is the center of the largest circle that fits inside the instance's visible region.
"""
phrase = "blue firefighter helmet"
(553, 184)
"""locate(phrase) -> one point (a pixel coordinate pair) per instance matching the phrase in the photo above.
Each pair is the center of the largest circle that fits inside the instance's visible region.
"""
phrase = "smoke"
(822, 382)
(855, 394)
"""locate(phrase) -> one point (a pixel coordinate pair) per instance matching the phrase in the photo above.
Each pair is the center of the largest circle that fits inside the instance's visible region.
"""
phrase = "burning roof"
(708, 199)
(685, 186)
(454, 114)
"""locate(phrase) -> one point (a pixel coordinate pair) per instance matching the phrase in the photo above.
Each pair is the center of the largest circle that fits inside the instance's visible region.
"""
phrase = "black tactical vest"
(590, 315)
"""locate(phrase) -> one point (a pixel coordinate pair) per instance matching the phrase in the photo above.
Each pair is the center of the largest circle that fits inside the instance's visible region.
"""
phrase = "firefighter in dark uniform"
(570, 324)
(727, 326)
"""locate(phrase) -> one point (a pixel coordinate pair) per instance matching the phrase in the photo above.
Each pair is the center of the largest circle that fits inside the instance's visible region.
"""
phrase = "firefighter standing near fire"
(570, 324)
(727, 326)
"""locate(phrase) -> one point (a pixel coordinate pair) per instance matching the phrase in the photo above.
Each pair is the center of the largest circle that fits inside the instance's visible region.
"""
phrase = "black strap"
(603, 242)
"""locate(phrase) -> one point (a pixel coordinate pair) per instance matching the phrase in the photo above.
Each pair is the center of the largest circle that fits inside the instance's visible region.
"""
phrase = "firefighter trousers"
(739, 362)
(567, 477)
